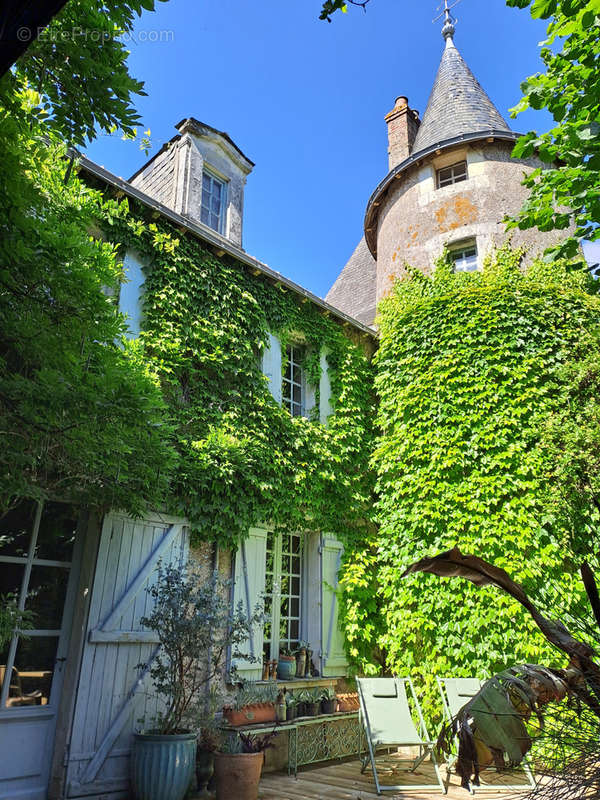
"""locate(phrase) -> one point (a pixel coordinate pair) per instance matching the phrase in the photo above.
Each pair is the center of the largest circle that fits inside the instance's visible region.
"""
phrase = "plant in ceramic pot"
(252, 704)
(328, 701)
(304, 699)
(313, 703)
(291, 702)
(238, 766)
(286, 666)
(194, 626)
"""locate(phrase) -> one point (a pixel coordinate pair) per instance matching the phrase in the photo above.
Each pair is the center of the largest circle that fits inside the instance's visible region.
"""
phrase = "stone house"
(71, 695)
(73, 692)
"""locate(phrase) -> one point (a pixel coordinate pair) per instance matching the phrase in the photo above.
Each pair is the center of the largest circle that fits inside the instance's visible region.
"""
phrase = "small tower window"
(454, 174)
(465, 257)
(293, 382)
(212, 211)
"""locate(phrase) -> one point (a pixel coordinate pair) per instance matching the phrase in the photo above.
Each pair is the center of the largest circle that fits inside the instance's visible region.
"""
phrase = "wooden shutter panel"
(334, 657)
(325, 409)
(271, 366)
(248, 589)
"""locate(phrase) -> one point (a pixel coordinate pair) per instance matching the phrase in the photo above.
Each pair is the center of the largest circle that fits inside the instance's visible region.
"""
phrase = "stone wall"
(417, 219)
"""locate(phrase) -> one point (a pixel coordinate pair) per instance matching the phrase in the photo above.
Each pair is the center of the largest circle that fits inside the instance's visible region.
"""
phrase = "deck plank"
(344, 781)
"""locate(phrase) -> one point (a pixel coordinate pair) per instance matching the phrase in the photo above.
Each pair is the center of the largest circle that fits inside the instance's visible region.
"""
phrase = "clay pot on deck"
(238, 775)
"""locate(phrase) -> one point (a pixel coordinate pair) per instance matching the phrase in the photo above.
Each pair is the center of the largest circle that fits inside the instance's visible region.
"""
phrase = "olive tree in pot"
(195, 626)
(239, 764)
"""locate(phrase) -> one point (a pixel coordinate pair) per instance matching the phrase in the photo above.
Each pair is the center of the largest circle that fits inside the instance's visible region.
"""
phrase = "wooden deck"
(343, 781)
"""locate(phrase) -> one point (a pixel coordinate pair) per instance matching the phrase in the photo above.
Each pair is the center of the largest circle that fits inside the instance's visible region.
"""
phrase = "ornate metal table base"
(325, 738)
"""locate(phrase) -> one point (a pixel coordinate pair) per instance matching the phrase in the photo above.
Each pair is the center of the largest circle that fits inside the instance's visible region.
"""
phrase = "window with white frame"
(452, 174)
(283, 585)
(212, 209)
(293, 383)
(465, 257)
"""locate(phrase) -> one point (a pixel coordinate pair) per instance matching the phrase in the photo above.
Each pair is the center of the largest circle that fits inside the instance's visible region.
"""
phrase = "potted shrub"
(194, 625)
(286, 666)
(252, 704)
(328, 701)
(238, 766)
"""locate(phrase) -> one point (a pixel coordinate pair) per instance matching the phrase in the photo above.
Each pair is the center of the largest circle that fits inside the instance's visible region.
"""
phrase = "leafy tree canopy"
(569, 193)
(78, 67)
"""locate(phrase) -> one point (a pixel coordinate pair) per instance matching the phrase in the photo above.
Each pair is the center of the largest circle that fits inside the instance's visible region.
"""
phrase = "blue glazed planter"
(162, 766)
(286, 670)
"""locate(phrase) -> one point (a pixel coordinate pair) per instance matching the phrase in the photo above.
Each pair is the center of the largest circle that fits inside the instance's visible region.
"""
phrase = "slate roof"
(458, 104)
(355, 290)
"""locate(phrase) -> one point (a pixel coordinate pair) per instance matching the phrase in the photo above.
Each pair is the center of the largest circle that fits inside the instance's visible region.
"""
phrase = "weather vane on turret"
(450, 20)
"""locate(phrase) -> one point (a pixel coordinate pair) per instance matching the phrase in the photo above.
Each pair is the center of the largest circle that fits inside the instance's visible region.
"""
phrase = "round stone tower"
(451, 182)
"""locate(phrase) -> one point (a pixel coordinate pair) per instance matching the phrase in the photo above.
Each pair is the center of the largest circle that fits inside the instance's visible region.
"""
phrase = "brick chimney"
(403, 123)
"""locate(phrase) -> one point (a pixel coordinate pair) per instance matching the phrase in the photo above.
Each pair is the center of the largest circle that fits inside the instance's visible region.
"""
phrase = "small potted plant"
(286, 666)
(301, 659)
(328, 701)
(291, 702)
(195, 627)
(238, 766)
(313, 703)
(252, 704)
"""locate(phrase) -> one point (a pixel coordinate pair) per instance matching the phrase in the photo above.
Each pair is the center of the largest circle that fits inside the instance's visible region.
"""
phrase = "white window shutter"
(271, 366)
(248, 588)
(325, 409)
(131, 293)
(334, 657)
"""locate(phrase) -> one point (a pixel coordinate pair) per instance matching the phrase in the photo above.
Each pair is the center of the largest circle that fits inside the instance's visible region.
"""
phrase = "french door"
(37, 545)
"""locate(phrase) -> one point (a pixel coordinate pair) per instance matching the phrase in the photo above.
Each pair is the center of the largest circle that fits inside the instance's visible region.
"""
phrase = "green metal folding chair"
(388, 722)
(456, 692)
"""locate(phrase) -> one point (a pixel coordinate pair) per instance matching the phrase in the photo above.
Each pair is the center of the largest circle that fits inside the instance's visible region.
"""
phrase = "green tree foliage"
(243, 460)
(78, 66)
(81, 417)
(467, 376)
(568, 193)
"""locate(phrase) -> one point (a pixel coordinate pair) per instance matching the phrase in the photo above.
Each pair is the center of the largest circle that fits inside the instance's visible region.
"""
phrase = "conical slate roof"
(457, 105)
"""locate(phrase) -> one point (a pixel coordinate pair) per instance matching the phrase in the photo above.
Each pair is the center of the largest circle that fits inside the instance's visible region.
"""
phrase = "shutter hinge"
(65, 761)
(320, 549)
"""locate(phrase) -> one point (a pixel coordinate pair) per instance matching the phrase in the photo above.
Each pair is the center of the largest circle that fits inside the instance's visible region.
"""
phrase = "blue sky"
(305, 100)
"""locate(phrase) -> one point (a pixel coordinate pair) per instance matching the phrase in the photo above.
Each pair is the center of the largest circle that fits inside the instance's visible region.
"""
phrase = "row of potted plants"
(255, 704)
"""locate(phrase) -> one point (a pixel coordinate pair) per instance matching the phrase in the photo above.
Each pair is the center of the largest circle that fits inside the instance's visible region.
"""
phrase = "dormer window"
(293, 383)
(214, 193)
(453, 174)
(464, 256)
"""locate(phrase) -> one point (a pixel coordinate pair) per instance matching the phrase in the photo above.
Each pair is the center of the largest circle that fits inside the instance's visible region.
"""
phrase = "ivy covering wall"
(242, 459)
(466, 376)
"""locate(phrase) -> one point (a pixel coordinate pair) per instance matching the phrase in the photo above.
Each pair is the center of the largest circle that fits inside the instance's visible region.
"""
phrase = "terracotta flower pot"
(238, 775)
(250, 715)
(348, 701)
